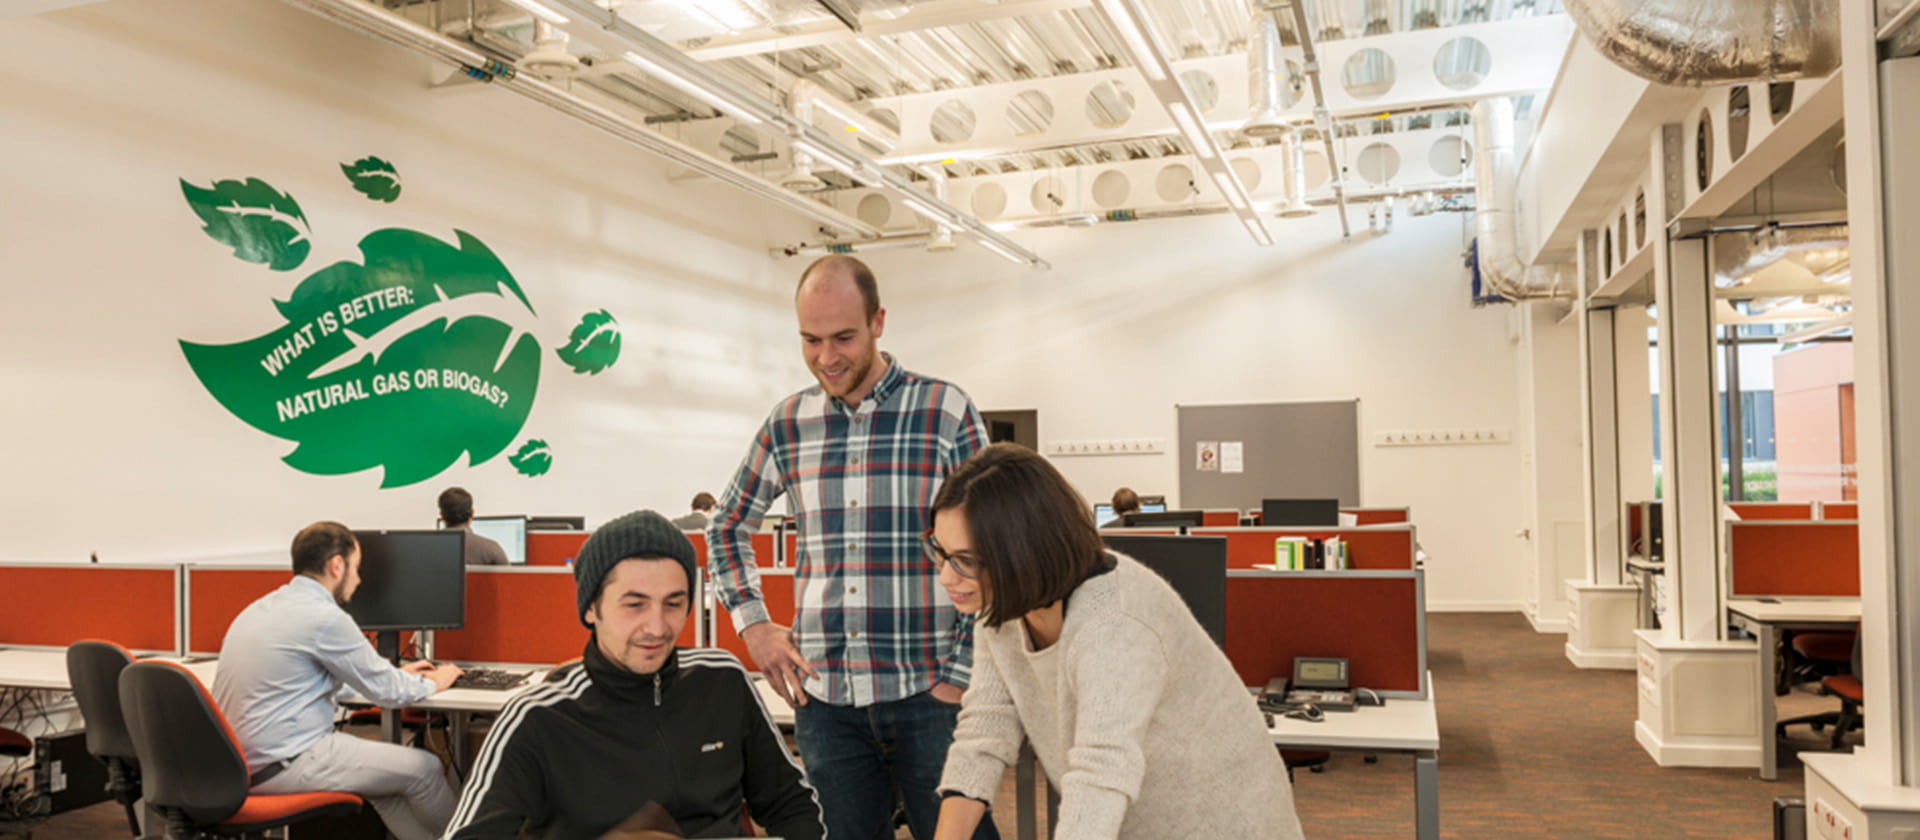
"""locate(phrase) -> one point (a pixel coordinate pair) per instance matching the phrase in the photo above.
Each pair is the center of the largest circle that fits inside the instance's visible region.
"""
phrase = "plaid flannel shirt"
(871, 618)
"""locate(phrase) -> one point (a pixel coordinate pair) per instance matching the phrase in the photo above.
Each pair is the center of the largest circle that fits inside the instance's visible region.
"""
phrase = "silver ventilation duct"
(1738, 256)
(1266, 77)
(1494, 222)
(1296, 153)
(1691, 43)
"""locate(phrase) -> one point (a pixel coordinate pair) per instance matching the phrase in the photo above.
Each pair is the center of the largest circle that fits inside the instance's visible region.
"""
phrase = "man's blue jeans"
(858, 757)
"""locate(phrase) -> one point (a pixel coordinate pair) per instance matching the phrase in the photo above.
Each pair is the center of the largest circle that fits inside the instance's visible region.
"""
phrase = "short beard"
(340, 593)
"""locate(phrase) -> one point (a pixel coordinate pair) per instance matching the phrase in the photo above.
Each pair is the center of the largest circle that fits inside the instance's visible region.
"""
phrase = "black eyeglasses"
(962, 565)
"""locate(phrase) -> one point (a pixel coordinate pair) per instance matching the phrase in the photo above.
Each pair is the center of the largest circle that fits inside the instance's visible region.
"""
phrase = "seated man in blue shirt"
(284, 659)
(637, 720)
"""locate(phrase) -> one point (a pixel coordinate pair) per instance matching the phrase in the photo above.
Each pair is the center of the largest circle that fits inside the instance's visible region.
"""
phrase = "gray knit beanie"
(639, 534)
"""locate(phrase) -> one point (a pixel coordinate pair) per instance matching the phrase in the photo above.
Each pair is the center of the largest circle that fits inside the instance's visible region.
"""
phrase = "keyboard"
(490, 679)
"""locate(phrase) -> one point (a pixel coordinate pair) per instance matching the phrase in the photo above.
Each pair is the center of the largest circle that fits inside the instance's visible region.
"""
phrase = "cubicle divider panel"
(1760, 511)
(554, 548)
(1376, 620)
(1774, 558)
(215, 595)
(1379, 516)
(789, 549)
(1839, 510)
(777, 587)
(57, 604)
(526, 615)
(1381, 547)
(1141, 532)
(1219, 518)
(699, 540)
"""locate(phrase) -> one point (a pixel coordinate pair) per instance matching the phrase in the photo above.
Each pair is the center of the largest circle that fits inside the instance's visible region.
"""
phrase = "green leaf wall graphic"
(403, 361)
(262, 224)
(594, 344)
(374, 178)
(533, 458)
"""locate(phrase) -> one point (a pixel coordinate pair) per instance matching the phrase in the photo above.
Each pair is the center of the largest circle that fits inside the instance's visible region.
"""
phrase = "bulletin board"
(1300, 450)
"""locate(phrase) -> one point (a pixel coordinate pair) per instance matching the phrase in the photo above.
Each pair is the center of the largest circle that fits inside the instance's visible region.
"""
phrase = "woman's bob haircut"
(1033, 538)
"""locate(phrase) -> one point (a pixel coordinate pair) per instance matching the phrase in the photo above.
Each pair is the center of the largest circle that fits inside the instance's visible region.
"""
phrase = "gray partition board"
(1299, 450)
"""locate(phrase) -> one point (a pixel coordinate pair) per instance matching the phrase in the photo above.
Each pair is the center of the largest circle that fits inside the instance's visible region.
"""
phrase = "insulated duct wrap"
(1696, 43)
(1737, 257)
(1493, 219)
(1266, 77)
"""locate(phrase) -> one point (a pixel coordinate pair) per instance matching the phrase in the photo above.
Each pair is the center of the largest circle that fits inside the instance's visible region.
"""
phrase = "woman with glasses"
(1137, 717)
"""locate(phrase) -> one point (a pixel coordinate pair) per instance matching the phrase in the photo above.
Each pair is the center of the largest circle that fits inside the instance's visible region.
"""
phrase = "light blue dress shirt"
(285, 658)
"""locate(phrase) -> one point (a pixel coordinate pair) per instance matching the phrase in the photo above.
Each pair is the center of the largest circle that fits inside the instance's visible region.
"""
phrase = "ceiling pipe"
(379, 23)
(1296, 174)
(1738, 256)
(1689, 43)
(1310, 63)
(607, 29)
(1494, 221)
(1266, 77)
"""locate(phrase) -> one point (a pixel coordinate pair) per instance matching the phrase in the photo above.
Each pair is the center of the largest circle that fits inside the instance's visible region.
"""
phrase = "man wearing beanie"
(637, 720)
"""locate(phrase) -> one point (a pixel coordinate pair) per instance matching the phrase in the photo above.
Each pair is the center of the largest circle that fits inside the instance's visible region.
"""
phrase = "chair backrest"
(93, 667)
(189, 756)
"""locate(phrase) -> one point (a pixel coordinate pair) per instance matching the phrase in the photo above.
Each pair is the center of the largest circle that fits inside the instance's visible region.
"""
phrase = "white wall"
(114, 446)
(1137, 318)
(1553, 456)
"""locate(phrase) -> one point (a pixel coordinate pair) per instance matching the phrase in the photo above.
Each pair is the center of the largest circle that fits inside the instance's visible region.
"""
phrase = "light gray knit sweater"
(1137, 718)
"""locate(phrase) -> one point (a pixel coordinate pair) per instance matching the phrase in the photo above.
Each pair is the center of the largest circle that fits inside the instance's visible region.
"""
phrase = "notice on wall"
(1206, 456)
(1233, 456)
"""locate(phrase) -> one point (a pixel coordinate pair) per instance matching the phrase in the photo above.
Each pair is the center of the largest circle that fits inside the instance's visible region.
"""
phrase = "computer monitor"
(411, 580)
(556, 523)
(509, 531)
(1195, 566)
(1162, 518)
(1103, 516)
(1153, 500)
(1297, 512)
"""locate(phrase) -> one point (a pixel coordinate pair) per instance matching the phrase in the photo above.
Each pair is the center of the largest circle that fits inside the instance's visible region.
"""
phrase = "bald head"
(828, 273)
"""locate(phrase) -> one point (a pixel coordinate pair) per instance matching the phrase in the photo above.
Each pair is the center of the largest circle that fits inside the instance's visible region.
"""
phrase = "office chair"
(1819, 654)
(1845, 686)
(93, 667)
(195, 775)
(1314, 760)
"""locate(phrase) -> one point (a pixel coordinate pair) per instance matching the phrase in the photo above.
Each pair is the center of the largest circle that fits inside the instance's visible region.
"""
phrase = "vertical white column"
(1691, 490)
(1599, 433)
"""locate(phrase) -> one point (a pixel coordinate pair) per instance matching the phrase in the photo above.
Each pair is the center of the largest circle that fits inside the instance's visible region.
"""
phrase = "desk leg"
(1426, 796)
(1767, 637)
(1024, 817)
(457, 728)
(390, 725)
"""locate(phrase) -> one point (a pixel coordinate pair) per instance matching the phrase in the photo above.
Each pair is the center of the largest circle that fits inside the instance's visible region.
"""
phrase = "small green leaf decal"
(373, 177)
(534, 458)
(594, 344)
(262, 224)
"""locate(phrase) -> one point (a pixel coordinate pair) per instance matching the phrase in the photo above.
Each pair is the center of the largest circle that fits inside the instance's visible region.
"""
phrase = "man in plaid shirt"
(883, 654)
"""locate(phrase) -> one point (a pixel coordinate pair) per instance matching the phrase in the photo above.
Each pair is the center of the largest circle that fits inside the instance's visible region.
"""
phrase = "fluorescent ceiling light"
(541, 11)
(923, 208)
(1259, 231)
(1002, 250)
(1133, 33)
(833, 161)
(690, 88)
(1822, 329)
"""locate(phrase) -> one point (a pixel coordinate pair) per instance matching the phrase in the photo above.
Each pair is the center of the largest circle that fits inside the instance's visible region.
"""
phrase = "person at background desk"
(1125, 501)
(1138, 718)
(637, 725)
(884, 657)
(284, 659)
(703, 503)
(456, 513)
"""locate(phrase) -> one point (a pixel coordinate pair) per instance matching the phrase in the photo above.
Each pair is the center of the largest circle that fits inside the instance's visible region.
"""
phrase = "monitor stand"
(387, 644)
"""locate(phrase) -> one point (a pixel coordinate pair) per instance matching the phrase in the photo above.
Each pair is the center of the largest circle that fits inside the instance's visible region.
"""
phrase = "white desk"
(1401, 726)
(1764, 619)
(47, 669)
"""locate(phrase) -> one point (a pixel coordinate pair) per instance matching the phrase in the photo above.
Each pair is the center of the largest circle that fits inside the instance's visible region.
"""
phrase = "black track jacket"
(571, 759)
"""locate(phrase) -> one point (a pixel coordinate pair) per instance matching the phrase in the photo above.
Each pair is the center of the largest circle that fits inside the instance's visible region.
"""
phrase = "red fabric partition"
(699, 540)
(1379, 516)
(1794, 558)
(60, 605)
(1367, 548)
(522, 616)
(1374, 622)
(553, 548)
(1216, 518)
(777, 587)
(215, 596)
(1750, 511)
(1839, 510)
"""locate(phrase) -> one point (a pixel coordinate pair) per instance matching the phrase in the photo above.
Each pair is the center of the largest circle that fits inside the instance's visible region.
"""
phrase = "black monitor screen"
(1191, 518)
(1197, 568)
(411, 580)
(556, 523)
(1298, 512)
